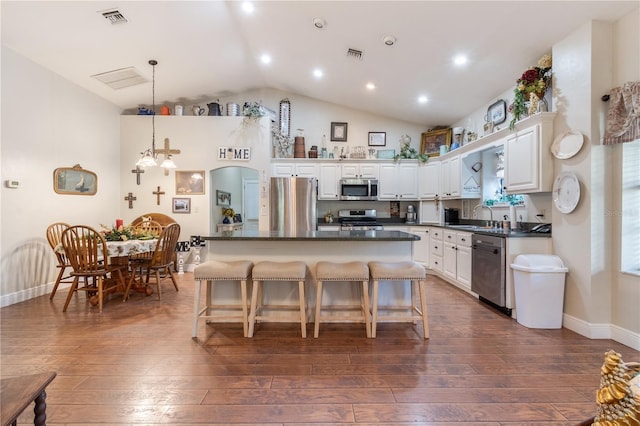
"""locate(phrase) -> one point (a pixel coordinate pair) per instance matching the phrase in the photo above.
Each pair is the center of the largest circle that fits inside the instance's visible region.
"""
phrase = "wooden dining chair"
(54, 236)
(147, 228)
(86, 250)
(160, 261)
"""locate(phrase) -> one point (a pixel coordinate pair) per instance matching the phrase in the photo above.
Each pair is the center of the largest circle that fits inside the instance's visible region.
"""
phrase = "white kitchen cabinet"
(421, 248)
(429, 180)
(295, 169)
(528, 165)
(450, 173)
(360, 170)
(435, 249)
(398, 181)
(456, 262)
(328, 181)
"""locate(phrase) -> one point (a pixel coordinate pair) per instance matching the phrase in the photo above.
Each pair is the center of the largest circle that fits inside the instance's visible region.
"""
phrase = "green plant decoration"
(408, 152)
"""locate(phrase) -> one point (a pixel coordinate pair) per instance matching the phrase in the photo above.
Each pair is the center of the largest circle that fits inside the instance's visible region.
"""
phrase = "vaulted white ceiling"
(211, 49)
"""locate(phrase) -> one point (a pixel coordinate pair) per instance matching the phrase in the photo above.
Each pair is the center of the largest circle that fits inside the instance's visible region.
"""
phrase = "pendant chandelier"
(149, 156)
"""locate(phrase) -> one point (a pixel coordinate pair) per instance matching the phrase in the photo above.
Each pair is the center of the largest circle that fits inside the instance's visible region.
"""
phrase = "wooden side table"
(17, 393)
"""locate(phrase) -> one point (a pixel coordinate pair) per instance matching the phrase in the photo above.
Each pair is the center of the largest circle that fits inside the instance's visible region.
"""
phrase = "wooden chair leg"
(316, 327)
(57, 283)
(100, 293)
(365, 308)
(72, 289)
(173, 278)
(254, 307)
(423, 305)
(374, 309)
(245, 313)
(158, 284)
(196, 309)
(303, 309)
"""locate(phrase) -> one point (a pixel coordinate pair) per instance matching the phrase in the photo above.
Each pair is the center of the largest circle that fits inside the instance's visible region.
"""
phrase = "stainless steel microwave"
(353, 189)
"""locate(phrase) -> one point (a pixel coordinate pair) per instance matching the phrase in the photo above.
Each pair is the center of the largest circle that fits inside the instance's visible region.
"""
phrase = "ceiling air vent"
(119, 79)
(114, 16)
(355, 54)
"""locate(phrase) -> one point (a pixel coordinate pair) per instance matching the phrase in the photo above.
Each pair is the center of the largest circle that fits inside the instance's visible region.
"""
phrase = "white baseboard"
(30, 293)
(602, 331)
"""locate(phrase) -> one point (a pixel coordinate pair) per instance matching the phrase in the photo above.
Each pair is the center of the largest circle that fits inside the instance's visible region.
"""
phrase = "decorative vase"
(226, 220)
(543, 106)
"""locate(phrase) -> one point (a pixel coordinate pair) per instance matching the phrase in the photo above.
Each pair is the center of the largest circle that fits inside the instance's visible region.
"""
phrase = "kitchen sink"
(469, 227)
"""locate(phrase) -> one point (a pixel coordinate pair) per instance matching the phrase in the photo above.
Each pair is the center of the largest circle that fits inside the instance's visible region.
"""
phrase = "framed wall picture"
(190, 182)
(497, 112)
(433, 140)
(223, 198)
(181, 205)
(339, 132)
(377, 138)
(74, 181)
(285, 117)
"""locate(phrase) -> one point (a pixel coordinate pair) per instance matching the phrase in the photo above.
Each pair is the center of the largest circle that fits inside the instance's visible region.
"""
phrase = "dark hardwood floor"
(136, 364)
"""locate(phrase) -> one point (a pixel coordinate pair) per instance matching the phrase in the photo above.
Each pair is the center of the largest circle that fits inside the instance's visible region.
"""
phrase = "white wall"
(315, 118)
(626, 67)
(47, 123)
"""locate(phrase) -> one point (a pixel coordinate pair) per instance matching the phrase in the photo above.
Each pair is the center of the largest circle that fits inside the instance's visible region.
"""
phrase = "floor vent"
(121, 78)
(114, 16)
(353, 53)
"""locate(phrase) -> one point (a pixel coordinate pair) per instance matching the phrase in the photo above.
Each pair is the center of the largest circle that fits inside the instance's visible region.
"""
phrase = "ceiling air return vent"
(114, 16)
(354, 53)
(119, 79)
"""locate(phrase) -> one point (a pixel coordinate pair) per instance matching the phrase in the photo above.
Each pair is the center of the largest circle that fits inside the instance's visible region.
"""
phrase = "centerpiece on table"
(530, 90)
(120, 233)
(228, 215)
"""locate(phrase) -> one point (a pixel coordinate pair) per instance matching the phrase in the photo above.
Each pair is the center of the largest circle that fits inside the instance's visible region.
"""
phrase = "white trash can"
(538, 280)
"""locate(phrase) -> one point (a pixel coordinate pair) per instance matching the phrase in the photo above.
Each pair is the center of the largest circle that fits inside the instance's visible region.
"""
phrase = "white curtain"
(623, 117)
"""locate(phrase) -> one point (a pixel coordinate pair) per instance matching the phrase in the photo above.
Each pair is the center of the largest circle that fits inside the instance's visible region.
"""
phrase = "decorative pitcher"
(214, 108)
(197, 110)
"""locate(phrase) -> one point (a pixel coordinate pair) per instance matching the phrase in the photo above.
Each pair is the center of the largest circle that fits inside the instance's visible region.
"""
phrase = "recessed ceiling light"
(248, 7)
(389, 40)
(265, 59)
(423, 99)
(371, 86)
(317, 73)
(460, 60)
(319, 23)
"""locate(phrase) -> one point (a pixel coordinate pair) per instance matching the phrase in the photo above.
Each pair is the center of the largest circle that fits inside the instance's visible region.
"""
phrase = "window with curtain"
(630, 253)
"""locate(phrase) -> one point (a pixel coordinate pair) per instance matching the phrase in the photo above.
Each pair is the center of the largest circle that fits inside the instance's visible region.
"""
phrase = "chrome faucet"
(486, 207)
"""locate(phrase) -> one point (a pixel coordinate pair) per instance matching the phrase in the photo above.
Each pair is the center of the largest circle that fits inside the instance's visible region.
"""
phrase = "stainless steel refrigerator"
(293, 205)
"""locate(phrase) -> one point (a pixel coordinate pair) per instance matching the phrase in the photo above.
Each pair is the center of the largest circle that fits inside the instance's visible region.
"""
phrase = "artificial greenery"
(408, 152)
(531, 87)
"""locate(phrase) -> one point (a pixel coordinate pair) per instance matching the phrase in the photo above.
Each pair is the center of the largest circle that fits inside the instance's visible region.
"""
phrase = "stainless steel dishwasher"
(488, 267)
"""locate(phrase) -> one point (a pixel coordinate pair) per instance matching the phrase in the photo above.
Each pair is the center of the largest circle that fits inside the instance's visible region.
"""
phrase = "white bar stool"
(350, 272)
(398, 272)
(221, 271)
(282, 272)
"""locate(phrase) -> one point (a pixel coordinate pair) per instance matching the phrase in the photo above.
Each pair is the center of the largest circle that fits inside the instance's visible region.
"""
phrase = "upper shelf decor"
(531, 87)
(75, 181)
(433, 140)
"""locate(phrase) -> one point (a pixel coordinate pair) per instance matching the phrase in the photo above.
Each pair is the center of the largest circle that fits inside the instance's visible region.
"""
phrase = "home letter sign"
(234, 153)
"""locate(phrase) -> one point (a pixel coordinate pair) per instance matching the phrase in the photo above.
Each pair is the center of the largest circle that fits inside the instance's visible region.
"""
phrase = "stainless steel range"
(359, 220)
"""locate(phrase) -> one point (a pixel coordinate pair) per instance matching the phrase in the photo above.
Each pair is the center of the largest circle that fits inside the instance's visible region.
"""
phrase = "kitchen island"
(311, 247)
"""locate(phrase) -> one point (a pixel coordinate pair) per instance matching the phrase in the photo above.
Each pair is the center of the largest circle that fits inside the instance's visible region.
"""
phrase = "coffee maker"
(450, 216)
(412, 216)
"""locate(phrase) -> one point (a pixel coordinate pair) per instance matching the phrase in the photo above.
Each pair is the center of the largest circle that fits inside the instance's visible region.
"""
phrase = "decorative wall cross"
(137, 171)
(167, 151)
(130, 198)
(158, 193)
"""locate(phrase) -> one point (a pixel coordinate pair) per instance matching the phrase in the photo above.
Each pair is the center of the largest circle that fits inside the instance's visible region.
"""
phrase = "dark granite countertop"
(244, 235)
